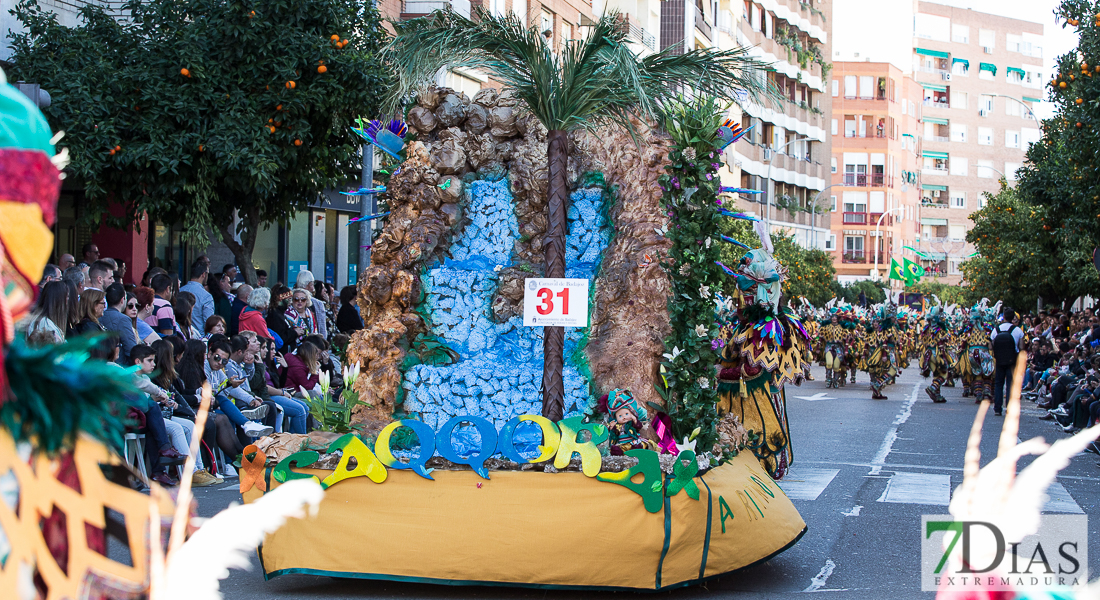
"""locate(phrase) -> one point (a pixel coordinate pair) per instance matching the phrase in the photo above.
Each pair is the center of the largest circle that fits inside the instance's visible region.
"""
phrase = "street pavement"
(864, 472)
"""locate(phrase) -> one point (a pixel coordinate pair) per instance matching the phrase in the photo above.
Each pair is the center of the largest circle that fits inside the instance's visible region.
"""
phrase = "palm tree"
(591, 83)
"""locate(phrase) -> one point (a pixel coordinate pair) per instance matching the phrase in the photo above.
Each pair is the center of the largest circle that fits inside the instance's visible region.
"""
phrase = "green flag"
(913, 271)
(896, 271)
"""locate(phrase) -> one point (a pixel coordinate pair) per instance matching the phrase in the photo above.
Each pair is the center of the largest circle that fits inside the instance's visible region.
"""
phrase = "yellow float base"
(523, 528)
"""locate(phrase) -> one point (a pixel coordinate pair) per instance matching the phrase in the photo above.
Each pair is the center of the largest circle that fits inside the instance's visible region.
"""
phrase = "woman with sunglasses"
(301, 314)
(277, 319)
(139, 306)
(92, 305)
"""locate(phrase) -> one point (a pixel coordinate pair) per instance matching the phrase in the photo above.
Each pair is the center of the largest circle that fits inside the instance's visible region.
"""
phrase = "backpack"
(1004, 346)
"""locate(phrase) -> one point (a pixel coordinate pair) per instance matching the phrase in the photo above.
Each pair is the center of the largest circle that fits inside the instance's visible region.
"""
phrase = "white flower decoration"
(701, 330)
(703, 382)
(704, 291)
(497, 268)
(675, 352)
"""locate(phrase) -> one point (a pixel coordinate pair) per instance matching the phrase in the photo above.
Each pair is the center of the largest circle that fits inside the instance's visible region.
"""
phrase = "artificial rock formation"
(460, 140)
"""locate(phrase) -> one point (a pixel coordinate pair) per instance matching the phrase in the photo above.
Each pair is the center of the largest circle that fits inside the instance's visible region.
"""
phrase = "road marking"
(918, 488)
(892, 435)
(806, 484)
(816, 397)
(1059, 501)
(822, 576)
(854, 512)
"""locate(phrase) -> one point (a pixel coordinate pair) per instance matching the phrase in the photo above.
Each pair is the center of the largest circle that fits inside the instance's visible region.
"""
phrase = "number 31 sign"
(555, 302)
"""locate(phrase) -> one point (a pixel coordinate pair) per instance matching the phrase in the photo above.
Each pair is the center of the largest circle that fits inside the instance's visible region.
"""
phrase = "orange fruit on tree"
(202, 148)
(113, 151)
(297, 142)
(279, 107)
(322, 69)
(1062, 84)
(1079, 101)
(335, 38)
(185, 72)
(271, 128)
(343, 43)
(290, 85)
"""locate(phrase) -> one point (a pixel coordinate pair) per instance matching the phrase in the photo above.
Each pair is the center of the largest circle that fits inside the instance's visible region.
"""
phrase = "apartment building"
(875, 194)
(786, 153)
(981, 74)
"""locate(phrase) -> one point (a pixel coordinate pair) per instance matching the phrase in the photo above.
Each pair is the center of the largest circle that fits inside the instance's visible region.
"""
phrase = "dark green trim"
(668, 534)
(706, 539)
(539, 586)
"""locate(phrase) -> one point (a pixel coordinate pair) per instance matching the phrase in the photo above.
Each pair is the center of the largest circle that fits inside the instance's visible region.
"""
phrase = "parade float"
(456, 469)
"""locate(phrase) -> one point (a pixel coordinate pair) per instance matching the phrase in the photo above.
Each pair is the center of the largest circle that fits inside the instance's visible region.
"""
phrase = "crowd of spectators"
(260, 349)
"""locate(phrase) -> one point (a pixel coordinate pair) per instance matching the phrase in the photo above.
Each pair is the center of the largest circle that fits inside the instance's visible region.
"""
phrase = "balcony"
(629, 25)
(855, 218)
(936, 138)
(861, 257)
(410, 9)
(866, 180)
(936, 103)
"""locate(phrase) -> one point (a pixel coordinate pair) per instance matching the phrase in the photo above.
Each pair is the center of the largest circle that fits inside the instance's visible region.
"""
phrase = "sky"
(1058, 41)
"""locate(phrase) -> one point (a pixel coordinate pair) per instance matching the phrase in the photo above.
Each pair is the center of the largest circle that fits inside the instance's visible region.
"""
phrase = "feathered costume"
(881, 362)
(936, 353)
(976, 365)
(765, 349)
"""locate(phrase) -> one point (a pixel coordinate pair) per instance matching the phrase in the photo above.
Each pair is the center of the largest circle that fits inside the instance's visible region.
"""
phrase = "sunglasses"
(300, 300)
(131, 305)
(217, 359)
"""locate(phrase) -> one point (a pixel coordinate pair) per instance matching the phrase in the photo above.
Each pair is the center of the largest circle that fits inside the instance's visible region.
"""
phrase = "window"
(985, 102)
(866, 87)
(1010, 170)
(985, 136)
(1012, 139)
(959, 68)
(853, 245)
(546, 23)
(938, 165)
(850, 86)
(1012, 42)
(958, 199)
(986, 74)
(960, 166)
(953, 266)
(932, 27)
(855, 202)
(981, 200)
(958, 100)
(958, 132)
(960, 34)
(830, 243)
(987, 38)
(832, 162)
(1012, 109)
(985, 169)
(834, 126)
(1030, 135)
(849, 128)
(833, 198)
(566, 33)
(956, 232)
(836, 88)
(903, 107)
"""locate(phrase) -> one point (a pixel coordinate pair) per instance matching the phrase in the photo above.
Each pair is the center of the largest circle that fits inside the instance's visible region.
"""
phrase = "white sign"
(555, 302)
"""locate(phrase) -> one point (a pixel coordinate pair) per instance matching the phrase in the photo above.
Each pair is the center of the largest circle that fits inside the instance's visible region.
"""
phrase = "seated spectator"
(191, 372)
(214, 325)
(228, 393)
(304, 283)
(163, 317)
(142, 300)
(277, 320)
(241, 292)
(303, 370)
(166, 435)
(92, 305)
(348, 320)
(295, 411)
(252, 317)
(50, 318)
(116, 321)
(183, 412)
(301, 315)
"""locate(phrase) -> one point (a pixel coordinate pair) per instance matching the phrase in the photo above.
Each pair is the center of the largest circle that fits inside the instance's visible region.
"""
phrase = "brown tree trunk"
(243, 251)
(557, 154)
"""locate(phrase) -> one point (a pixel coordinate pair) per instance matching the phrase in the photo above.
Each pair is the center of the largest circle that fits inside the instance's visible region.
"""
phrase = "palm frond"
(592, 83)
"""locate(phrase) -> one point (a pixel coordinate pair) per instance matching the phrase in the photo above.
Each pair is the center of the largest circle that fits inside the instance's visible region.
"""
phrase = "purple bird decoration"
(726, 238)
(734, 190)
(368, 217)
(736, 215)
(366, 191)
(728, 270)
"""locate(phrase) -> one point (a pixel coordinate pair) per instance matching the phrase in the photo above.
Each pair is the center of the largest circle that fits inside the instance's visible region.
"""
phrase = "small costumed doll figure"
(626, 424)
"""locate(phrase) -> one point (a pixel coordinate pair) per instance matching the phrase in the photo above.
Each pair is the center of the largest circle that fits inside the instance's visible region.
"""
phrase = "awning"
(936, 120)
(988, 67)
(934, 188)
(966, 63)
(935, 53)
(935, 87)
(1029, 99)
(932, 154)
(1022, 72)
(927, 221)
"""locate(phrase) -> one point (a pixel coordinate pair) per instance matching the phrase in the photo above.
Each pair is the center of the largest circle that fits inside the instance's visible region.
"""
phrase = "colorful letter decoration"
(649, 489)
(683, 476)
(427, 447)
(305, 458)
(724, 512)
(476, 460)
(570, 443)
(253, 463)
(366, 464)
(551, 438)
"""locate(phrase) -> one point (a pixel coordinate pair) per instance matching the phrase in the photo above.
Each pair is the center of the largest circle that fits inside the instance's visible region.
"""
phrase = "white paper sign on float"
(555, 302)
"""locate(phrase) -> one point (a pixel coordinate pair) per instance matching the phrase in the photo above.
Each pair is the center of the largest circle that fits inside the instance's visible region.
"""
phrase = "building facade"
(786, 152)
(981, 75)
(874, 190)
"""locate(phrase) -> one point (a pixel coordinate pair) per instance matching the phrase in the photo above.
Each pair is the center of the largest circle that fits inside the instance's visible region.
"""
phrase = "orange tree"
(200, 111)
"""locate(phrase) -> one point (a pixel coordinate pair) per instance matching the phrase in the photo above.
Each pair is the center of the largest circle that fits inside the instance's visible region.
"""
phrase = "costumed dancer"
(833, 335)
(853, 358)
(935, 349)
(977, 359)
(881, 361)
(807, 313)
(765, 350)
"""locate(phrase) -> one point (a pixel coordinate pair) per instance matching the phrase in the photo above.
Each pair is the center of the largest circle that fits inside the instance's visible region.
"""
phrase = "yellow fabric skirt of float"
(529, 528)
